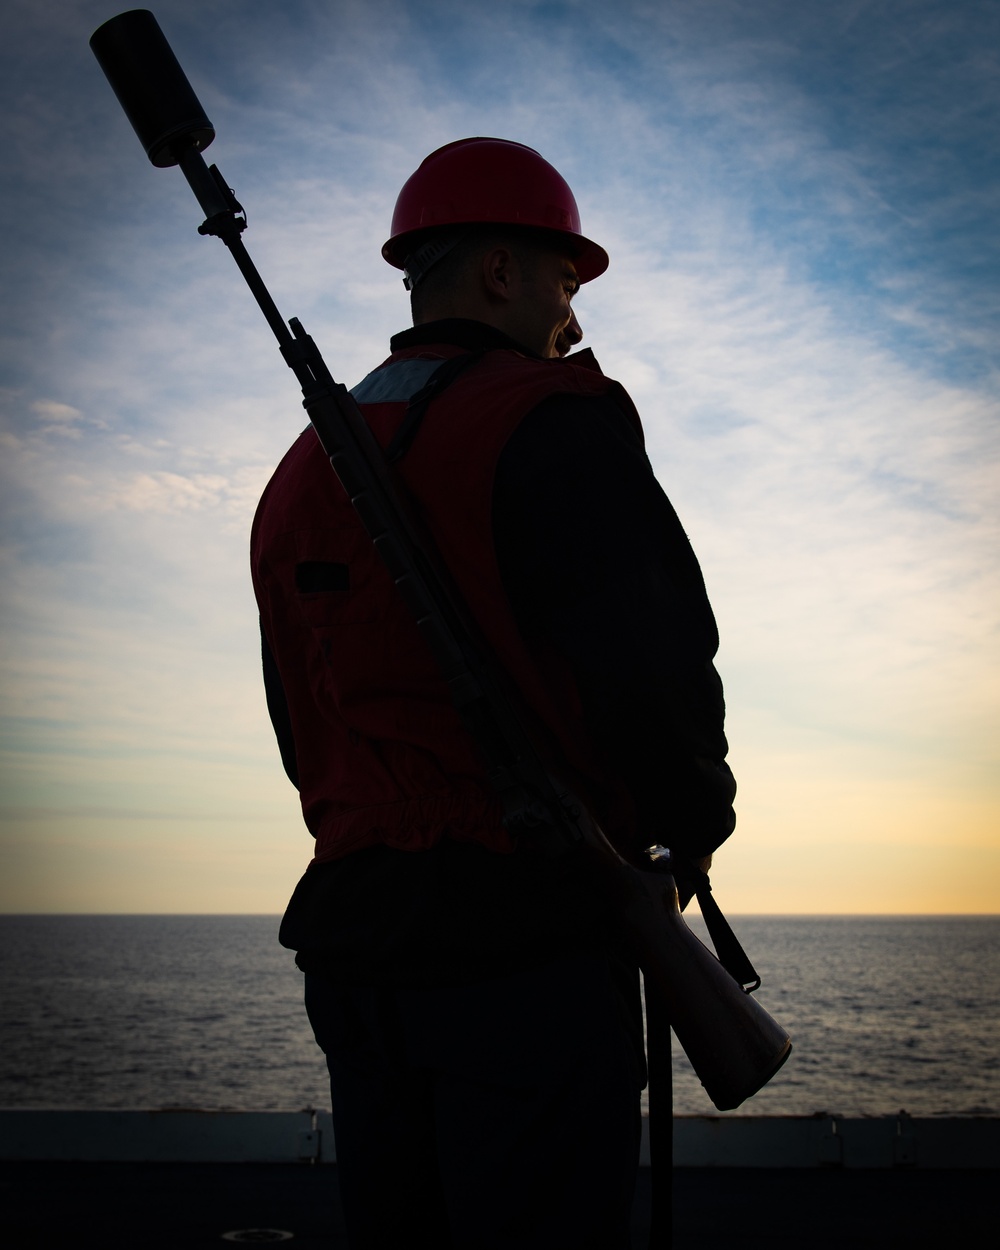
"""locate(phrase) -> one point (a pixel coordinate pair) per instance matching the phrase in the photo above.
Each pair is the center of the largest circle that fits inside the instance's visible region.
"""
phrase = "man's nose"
(573, 332)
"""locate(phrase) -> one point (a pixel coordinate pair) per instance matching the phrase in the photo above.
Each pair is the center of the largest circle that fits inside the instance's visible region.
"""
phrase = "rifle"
(734, 1046)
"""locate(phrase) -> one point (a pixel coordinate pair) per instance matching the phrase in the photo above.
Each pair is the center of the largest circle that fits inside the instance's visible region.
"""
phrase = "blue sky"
(800, 201)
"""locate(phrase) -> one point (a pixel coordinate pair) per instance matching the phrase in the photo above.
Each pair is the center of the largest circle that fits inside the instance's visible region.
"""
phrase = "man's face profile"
(544, 319)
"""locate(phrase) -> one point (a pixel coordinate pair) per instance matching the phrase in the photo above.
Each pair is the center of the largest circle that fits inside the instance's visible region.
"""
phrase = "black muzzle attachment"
(151, 87)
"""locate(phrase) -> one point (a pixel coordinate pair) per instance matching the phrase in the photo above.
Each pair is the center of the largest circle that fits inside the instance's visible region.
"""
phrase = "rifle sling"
(731, 954)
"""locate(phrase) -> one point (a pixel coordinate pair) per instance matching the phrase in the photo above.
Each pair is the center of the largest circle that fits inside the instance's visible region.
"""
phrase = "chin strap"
(423, 258)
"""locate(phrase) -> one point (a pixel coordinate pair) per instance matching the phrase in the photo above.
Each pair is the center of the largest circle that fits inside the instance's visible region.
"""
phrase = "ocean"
(134, 1012)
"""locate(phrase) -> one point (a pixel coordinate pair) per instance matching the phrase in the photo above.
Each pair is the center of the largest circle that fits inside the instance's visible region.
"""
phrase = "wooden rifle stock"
(735, 1046)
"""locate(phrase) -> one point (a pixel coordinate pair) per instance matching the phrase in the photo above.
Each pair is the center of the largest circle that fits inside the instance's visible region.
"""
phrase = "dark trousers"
(489, 1116)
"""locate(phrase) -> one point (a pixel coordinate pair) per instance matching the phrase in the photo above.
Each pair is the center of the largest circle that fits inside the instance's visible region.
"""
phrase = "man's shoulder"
(464, 367)
(501, 368)
(573, 385)
(512, 369)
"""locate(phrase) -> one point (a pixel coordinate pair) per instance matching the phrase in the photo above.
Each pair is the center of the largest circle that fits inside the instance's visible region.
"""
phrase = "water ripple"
(205, 1011)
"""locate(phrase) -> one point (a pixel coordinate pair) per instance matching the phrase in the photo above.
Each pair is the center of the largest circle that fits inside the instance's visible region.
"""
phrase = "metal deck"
(186, 1180)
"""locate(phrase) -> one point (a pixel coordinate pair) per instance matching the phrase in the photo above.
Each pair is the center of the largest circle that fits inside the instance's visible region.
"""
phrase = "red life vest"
(382, 755)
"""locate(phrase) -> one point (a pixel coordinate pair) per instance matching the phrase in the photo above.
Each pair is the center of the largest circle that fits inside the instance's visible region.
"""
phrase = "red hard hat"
(489, 181)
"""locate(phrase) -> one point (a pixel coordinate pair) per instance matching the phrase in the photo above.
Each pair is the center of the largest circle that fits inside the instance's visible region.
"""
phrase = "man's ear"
(499, 273)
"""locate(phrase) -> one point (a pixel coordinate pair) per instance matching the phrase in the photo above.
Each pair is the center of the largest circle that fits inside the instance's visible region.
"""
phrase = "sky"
(800, 199)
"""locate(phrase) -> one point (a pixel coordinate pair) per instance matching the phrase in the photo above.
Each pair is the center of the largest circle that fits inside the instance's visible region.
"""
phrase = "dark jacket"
(579, 572)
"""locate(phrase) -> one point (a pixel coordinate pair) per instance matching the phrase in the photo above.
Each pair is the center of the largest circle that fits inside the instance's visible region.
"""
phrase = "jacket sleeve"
(595, 561)
(277, 707)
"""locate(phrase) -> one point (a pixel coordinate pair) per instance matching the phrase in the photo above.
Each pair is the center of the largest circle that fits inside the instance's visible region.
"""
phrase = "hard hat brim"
(590, 259)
